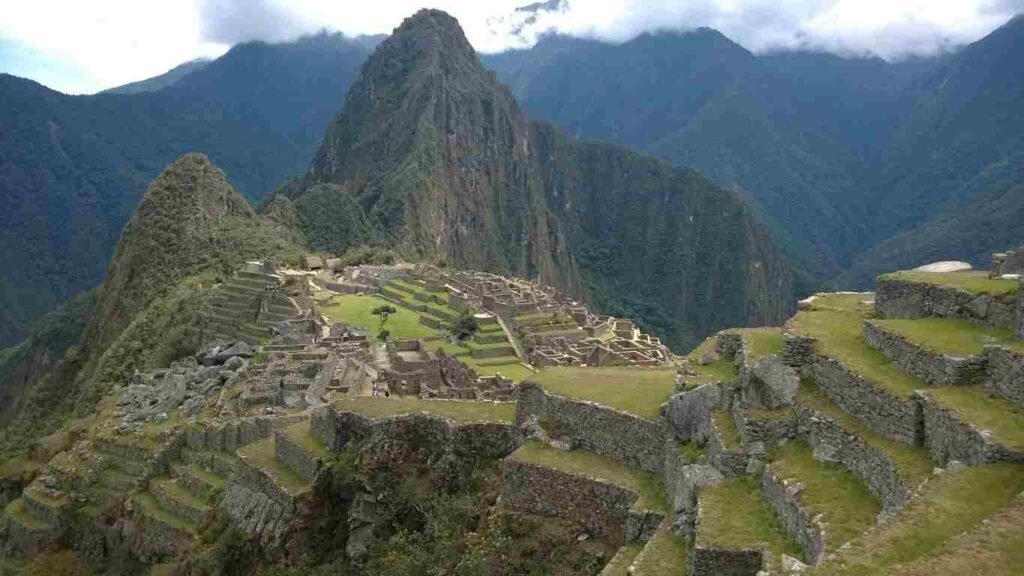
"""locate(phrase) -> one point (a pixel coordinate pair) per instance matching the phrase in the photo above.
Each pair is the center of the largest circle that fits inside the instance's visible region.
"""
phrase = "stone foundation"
(1006, 372)
(636, 442)
(951, 438)
(901, 299)
(807, 531)
(890, 415)
(831, 443)
(932, 367)
(603, 509)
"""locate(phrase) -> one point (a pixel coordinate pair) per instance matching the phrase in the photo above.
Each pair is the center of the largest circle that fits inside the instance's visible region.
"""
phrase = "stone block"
(689, 413)
(933, 367)
(636, 442)
(771, 383)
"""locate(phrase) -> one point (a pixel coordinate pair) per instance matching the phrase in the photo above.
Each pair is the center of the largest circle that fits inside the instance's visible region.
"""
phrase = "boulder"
(775, 383)
(237, 349)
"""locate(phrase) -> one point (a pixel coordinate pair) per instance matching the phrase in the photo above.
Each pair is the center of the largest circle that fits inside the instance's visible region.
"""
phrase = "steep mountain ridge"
(445, 167)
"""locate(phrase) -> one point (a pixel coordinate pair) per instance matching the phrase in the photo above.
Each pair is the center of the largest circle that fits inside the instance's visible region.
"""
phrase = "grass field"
(849, 507)
(638, 391)
(459, 411)
(649, 487)
(950, 335)
(762, 342)
(721, 370)
(734, 517)
(665, 554)
(975, 281)
(843, 302)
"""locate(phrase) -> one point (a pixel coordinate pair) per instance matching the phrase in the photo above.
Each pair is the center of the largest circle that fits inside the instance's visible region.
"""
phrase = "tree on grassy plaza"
(384, 312)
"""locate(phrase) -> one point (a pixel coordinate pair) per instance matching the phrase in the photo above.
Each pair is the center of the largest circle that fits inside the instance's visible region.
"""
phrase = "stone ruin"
(1009, 263)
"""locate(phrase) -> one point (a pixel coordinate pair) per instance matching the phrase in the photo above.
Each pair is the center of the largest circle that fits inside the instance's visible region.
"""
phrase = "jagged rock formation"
(443, 165)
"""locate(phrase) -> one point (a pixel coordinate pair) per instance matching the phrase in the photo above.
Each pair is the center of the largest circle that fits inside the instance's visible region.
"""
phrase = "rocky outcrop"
(636, 442)
(682, 480)
(901, 299)
(933, 367)
(770, 383)
(689, 413)
(890, 415)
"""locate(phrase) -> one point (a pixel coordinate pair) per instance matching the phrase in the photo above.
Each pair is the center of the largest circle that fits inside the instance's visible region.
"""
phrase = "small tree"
(383, 312)
(465, 326)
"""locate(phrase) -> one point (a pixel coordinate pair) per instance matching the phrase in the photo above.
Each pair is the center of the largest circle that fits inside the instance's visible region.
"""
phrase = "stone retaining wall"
(636, 442)
(602, 508)
(890, 415)
(1019, 330)
(293, 456)
(256, 514)
(901, 299)
(682, 480)
(807, 531)
(797, 350)
(1006, 372)
(769, 431)
(230, 436)
(710, 561)
(951, 438)
(831, 443)
(730, 462)
(932, 367)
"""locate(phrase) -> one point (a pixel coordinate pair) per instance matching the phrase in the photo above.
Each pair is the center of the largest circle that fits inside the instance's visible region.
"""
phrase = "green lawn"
(638, 391)
(619, 564)
(762, 342)
(914, 464)
(849, 507)
(459, 411)
(839, 337)
(649, 487)
(975, 281)
(665, 554)
(735, 517)
(948, 505)
(727, 426)
(721, 370)
(302, 435)
(261, 455)
(986, 410)
(950, 335)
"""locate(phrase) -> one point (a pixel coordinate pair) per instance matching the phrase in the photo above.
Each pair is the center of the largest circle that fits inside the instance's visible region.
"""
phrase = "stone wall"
(728, 343)
(714, 561)
(950, 438)
(304, 464)
(730, 462)
(1019, 331)
(797, 350)
(768, 383)
(230, 436)
(600, 507)
(682, 480)
(689, 413)
(831, 443)
(636, 442)
(934, 368)
(900, 299)
(784, 496)
(256, 514)
(890, 415)
(769, 431)
(1006, 372)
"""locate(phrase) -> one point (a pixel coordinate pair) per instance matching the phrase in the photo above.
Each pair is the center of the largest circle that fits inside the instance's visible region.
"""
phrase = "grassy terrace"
(723, 369)
(649, 487)
(619, 564)
(849, 507)
(459, 411)
(914, 464)
(838, 332)
(950, 336)
(16, 510)
(727, 426)
(261, 455)
(665, 554)
(735, 517)
(302, 436)
(638, 391)
(986, 410)
(150, 507)
(975, 281)
(950, 504)
(762, 342)
(357, 311)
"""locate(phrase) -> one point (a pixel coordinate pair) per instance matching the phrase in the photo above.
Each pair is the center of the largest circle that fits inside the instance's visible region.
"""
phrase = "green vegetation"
(725, 425)
(839, 337)
(721, 370)
(914, 464)
(849, 507)
(948, 505)
(302, 435)
(638, 391)
(150, 507)
(951, 336)
(986, 410)
(261, 455)
(459, 411)
(619, 564)
(975, 281)
(762, 342)
(357, 311)
(735, 517)
(649, 487)
(859, 302)
(665, 554)
(690, 451)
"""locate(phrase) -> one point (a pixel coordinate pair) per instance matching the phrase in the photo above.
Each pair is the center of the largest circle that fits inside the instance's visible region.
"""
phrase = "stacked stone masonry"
(949, 437)
(934, 368)
(901, 299)
(1006, 372)
(800, 522)
(634, 441)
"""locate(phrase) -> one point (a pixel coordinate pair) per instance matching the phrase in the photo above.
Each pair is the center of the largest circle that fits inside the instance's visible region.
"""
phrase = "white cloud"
(117, 41)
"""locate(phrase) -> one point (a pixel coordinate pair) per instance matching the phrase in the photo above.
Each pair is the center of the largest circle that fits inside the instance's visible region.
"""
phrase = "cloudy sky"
(82, 46)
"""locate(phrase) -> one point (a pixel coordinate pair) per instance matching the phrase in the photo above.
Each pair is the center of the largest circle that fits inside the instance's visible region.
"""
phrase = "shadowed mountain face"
(72, 168)
(442, 165)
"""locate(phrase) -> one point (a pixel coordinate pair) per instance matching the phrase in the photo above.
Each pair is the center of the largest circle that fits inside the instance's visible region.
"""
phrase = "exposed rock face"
(772, 383)
(441, 163)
